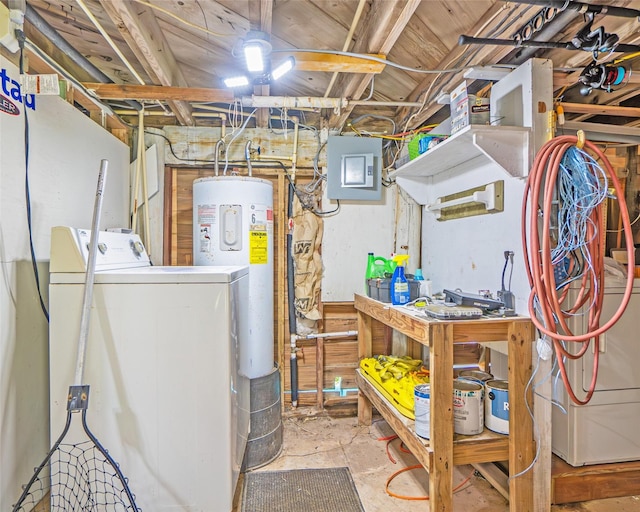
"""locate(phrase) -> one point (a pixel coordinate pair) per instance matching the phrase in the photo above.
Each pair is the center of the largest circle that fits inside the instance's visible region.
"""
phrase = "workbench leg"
(542, 413)
(364, 350)
(521, 442)
(441, 434)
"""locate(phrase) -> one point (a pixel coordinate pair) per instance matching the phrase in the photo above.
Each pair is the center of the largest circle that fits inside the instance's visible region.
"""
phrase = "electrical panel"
(354, 168)
(357, 170)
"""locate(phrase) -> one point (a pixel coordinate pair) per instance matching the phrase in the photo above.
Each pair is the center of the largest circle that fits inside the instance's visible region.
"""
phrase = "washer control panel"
(70, 250)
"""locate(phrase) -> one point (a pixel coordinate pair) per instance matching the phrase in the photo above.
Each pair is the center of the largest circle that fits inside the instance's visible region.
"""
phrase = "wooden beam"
(329, 62)
(140, 29)
(561, 79)
(605, 110)
(383, 24)
(159, 92)
(261, 18)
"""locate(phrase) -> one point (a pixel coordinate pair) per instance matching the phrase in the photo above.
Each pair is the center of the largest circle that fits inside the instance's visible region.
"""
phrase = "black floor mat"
(300, 490)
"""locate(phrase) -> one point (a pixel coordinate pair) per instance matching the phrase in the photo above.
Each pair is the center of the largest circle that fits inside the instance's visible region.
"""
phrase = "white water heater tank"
(233, 225)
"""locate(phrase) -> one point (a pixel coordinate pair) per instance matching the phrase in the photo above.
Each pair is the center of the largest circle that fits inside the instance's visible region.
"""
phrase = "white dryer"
(166, 398)
(606, 429)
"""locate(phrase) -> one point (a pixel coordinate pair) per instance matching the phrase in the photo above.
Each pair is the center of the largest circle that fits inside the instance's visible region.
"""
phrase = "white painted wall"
(66, 149)
(357, 229)
(469, 253)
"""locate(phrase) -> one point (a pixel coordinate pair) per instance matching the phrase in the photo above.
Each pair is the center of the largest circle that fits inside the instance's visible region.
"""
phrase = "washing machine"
(166, 399)
(606, 429)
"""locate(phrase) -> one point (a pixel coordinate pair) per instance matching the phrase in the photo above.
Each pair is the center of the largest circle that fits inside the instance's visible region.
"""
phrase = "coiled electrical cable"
(561, 213)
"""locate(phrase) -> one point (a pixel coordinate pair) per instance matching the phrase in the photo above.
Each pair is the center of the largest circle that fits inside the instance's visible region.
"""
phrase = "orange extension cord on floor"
(547, 306)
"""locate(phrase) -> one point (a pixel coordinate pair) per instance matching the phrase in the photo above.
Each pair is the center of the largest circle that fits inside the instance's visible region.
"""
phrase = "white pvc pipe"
(315, 335)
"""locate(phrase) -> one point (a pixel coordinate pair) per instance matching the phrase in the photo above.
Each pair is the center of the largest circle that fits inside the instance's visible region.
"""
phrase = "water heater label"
(206, 219)
(260, 225)
(258, 248)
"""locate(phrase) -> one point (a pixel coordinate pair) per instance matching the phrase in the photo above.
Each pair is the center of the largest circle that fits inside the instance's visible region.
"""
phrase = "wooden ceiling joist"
(159, 92)
(329, 63)
(261, 18)
(140, 29)
(598, 110)
(383, 24)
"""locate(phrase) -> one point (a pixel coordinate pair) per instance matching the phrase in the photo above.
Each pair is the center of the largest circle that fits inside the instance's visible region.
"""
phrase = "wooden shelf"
(473, 146)
(485, 447)
(444, 449)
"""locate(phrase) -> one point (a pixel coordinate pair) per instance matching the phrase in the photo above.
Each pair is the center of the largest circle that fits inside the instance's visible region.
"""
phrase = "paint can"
(468, 412)
(497, 406)
(475, 376)
(422, 409)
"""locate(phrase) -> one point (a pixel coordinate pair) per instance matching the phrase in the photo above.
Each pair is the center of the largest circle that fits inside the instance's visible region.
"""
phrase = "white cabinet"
(521, 104)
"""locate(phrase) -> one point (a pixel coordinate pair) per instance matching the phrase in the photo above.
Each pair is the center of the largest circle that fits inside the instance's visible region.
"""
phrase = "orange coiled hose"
(537, 220)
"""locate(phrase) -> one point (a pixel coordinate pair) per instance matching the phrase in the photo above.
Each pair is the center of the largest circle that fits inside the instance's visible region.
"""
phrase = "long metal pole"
(463, 39)
(621, 12)
(87, 298)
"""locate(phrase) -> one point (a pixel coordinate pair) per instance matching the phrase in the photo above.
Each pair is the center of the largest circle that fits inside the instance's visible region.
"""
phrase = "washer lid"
(151, 275)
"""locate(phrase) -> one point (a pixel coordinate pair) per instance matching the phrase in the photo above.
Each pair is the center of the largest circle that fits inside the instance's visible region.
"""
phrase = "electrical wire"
(418, 498)
(182, 20)
(389, 440)
(373, 58)
(561, 223)
(27, 192)
(244, 125)
(242, 163)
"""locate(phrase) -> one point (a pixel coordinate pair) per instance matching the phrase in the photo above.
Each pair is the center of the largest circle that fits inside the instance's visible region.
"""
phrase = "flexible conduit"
(546, 301)
(291, 290)
(40, 24)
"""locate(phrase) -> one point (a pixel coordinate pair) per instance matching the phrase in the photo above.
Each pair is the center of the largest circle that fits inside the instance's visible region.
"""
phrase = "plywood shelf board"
(485, 447)
(473, 146)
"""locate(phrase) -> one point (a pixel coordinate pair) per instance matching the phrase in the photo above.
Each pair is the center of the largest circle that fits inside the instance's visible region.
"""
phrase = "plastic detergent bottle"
(417, 276)
(425, 286)
(376, 267)
(370, 273)
(399, 283)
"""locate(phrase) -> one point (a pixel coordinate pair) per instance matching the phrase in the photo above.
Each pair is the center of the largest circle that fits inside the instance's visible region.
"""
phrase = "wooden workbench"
(444, 449)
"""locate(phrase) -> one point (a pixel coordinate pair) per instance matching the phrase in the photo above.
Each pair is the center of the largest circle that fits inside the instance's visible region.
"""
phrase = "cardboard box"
(467, 109)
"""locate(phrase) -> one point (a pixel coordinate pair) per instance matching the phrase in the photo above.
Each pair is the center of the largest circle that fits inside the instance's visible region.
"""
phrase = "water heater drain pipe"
(316, 335)
(294, 356)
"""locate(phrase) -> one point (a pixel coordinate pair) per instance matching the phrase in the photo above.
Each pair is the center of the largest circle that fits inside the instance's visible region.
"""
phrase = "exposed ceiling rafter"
(261, 17)
(383, 24)
(158, 93)
(139, 28)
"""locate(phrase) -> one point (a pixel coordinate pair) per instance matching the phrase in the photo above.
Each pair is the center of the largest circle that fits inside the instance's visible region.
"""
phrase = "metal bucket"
(422, 409)
(475, 376)
(467, 407)
(497, 406)
(265, 438)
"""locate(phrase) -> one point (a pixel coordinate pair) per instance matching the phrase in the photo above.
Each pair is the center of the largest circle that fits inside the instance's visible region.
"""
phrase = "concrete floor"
(324, 442)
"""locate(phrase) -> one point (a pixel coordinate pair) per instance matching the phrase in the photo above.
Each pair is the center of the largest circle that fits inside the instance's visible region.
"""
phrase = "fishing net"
(78, 476)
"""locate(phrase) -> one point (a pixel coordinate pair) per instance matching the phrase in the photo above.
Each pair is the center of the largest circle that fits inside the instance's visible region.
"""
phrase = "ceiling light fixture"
(256, 49)
(255, 59)
(236, 81)
(283, 68)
